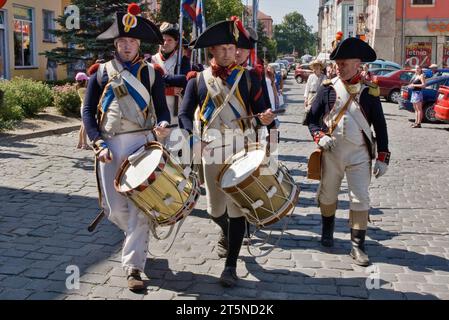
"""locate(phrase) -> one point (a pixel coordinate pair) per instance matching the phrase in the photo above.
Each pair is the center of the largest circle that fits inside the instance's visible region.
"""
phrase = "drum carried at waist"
(157, 184)
(260, 186)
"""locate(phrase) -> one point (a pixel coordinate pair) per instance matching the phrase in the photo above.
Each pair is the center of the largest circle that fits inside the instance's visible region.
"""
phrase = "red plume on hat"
(245, 32)
(339, 35)
(134, 9)
(240, 26)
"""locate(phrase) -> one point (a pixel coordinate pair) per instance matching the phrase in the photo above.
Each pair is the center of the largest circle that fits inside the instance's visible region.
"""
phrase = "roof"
(260, 14)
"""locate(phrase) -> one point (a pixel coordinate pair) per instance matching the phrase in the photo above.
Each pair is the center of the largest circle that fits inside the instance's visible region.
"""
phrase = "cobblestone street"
(48, 198)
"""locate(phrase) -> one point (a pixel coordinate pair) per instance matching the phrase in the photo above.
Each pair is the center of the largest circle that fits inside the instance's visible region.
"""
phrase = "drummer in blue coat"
(213, 103)
(125, 95)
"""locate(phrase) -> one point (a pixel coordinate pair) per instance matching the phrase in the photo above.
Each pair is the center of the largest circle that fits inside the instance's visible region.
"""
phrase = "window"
(23, 37)
(351, 20)
(406, 76)
(423, 2)
(49, 24)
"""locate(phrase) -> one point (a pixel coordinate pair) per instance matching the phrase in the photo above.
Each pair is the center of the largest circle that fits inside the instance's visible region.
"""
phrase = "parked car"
(438, 73)
(291, 60)
(430, 96)
(441, 107)
(384, 64)
(285, 64)
(302, 73)
(390, 84)
(379, 71)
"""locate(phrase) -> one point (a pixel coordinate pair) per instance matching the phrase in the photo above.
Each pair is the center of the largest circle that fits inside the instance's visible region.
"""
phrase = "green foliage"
(217, 10)
(67, 100)
(294, 34)
(264, 41)
(52, 83)
(95, 17)
(169, 11)
(26, 95)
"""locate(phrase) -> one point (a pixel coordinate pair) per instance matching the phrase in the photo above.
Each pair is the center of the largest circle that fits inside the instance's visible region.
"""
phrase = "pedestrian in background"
(313, 83)
(417, 83)
(81, 85)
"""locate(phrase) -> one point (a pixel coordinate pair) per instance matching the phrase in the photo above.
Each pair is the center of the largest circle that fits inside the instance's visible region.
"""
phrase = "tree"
(81, 44)
(266, 42)
(294, 34)
(169, 11)
(217, 10)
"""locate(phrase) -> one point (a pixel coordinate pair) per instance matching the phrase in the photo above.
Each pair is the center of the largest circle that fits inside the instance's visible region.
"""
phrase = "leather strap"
(341, 114)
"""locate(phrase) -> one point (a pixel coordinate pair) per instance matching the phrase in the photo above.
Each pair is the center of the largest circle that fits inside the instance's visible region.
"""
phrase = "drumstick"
(96, 221)
(279, 111)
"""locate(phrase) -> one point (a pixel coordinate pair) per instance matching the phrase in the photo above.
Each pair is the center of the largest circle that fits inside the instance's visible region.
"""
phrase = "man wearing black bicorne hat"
(218, 101)
(340, 122)
(124, 102)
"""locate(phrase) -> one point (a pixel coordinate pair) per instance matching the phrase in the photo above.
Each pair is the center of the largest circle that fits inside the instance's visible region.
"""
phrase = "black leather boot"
(327, 233)
(358, 247)
(222, 246)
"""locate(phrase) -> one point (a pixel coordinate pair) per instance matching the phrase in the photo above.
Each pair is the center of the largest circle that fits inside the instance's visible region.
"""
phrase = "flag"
(189, 7)
(199, 15)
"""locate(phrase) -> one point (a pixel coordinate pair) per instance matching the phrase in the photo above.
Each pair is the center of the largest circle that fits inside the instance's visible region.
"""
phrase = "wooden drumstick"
(279, 111)
(96, 221)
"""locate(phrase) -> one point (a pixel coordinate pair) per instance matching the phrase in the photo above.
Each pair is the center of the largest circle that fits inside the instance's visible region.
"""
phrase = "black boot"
(358, 247)
(236, 231)
(327, 234)
(222, 246)
(247, 237)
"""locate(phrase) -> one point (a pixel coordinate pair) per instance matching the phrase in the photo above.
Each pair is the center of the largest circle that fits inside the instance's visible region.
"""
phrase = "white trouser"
(353, 160)
(120, 210)
(217, 200)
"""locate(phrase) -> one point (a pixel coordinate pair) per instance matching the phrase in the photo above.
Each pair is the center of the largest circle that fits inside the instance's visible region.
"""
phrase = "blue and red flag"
(189, 7)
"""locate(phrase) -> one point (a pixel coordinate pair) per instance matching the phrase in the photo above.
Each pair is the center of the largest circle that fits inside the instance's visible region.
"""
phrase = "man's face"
(127, 48)
(224, 54)
(348, 68)
(169, 44)
(241, 55)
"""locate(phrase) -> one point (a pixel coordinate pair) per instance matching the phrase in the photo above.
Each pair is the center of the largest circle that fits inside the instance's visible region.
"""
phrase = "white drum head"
(242, 168)
(136, 174)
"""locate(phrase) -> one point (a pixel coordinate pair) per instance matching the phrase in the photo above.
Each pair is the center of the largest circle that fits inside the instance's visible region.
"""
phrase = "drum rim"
(248, 180)
(126, 164)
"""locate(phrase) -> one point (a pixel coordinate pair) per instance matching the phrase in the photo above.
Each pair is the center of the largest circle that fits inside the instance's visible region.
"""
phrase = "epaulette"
(327, 82)
(92, 69)
(257, 71)
(191, 75)
(158, 68)
(374, 89)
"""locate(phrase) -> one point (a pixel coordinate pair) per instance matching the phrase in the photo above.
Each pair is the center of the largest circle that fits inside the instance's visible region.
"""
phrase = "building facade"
(266, 20)
(409, 32)
(422, 28)
(24, 34)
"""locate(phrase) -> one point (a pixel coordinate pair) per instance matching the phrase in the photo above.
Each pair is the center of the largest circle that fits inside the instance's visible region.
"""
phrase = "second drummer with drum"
(213, 101)
(124, 96)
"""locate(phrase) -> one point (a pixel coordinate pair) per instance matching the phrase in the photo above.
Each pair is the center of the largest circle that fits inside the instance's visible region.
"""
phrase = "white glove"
(380, 168)
(326, 143)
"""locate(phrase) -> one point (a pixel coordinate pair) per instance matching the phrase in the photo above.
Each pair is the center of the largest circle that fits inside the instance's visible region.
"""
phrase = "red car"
(391, 83)
(441, 107)
(302, 73)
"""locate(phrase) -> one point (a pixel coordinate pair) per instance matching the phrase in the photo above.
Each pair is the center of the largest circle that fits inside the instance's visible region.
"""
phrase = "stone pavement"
(48, 197)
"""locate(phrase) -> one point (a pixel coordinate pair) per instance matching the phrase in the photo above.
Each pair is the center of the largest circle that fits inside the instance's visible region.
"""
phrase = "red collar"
(219, 71)
(355, 79)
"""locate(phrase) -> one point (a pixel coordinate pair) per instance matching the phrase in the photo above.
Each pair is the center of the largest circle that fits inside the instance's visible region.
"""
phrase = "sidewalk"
(46, 123)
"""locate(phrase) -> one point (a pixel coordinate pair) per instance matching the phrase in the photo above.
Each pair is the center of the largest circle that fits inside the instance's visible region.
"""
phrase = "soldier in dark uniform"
(167, 59)
(204, 113)
(340, 122)
(125, 95)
